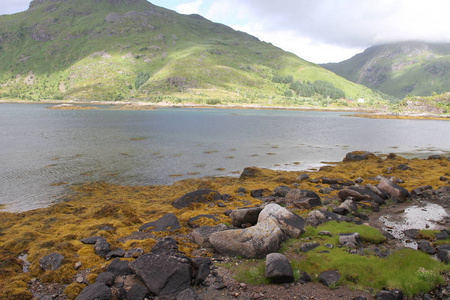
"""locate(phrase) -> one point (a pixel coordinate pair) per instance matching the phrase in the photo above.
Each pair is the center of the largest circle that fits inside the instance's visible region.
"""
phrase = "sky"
(319, 31)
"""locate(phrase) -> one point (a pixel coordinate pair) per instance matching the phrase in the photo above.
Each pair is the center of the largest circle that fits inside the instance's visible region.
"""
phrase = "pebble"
(77, 265)
(80, 279)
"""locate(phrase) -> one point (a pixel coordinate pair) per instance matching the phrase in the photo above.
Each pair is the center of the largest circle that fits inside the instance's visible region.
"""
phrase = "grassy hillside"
(400, 69)
(133, 50)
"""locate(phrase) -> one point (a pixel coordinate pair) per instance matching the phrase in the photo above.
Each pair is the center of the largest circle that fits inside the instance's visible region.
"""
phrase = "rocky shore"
(327, 234)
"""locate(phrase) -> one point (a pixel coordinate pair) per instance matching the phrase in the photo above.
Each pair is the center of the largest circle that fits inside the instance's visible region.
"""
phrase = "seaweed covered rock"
(358, 156)
(168, 222)
(253, 242)
(198, 196)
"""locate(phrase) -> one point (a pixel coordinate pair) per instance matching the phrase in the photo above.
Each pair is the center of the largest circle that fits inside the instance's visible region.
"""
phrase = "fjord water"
(44, 151)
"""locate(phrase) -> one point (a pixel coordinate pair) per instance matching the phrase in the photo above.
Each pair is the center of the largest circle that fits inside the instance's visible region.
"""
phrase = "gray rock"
(441, 235)
(419, 191)
(426, 247)
(250, 172)
(307, 203)
(278, 269)
(298, 194)
(201, 269)
(198, 196)
(253, 242)
(138, 292)
(188, 294)
(305, 247)
(302, 177)
(411, 233)
(166, 246)
(280, 191)
(354, 238)
(395, 192)
(102, 248)
(349, 205)
(51, 262)
(115, 253)
(329, 278)
(389, 295)
(201, 235)
(169, 222)
(119, 267)
(358, 156)
(290, 224)
(443, 253)
(106, 278)
(245, 216)
(134, 253)
(96, 291)
(163, 274)
(92, 240)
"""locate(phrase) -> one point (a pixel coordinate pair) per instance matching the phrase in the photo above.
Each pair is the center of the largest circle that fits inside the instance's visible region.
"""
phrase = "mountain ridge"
(399, 69)
(134, 50)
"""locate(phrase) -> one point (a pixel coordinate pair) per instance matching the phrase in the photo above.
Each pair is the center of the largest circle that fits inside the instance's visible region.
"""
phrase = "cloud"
(13, 6)
(338, 25)
(189, 8)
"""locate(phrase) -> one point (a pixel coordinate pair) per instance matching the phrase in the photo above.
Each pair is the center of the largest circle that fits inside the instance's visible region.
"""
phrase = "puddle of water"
(420, 217)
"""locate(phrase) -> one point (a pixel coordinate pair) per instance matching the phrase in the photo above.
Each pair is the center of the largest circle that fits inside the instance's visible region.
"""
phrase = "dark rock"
(337, 187)
(443, 253)
(369, 205)
(201, 235)
(304, 277)
(241, 190)
(419, 191)
(349, 205)
(441, 235)
(329, 278)
(290, 224)
(106, 278)
(134, 253)
(198, 196)
(360, 298)
(138, 292)
(389, 295)
(91, 240)
(358, 156)
(163, 274)
(445, 190)
(352, 194)
(119, 267)
(51, 262)
(426, 247)
(280, 191)
(278, 269)
(168, 222)
(115, 253)
(191, 221)
(359, 180)
(435, 156)
(201, 269)
(302, 177)
(307, 203)
(308, 246)
(330, 216)
(187, 294)
(411, 233)
(96, 291)
(403, 167)
(297, 194)
(258, 193)
(327, 233)
(325, 190)
(253, 242)
(245, 216)
(102, 248)
(166, 246)
(443, 178)
(361, 216)
(395, 192)
(340, 211)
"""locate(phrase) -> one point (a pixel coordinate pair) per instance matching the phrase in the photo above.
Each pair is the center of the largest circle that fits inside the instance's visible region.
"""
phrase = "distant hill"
(400, 69)
(134, 50)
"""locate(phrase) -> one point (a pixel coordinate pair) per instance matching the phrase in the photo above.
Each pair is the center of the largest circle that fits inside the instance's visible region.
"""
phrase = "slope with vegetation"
(399, 69)
(133, 50)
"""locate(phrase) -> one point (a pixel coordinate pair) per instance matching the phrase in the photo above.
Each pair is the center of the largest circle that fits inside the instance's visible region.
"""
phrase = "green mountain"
(134, 50)
(400, 69)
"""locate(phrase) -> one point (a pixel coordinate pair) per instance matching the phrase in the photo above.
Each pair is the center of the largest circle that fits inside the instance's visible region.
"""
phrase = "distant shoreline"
(128, 105)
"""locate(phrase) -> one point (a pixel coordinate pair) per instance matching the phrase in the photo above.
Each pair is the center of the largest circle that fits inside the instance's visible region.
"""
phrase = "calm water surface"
(43, 151)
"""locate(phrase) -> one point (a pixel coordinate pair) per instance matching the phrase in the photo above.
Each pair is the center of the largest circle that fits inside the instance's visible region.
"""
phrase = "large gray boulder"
(201, 235)
(245, 216)
(290, 224)
(168, 222)
(198, 196)
(163, 274)
(278, 269)
(395, 192)
(253, 242)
